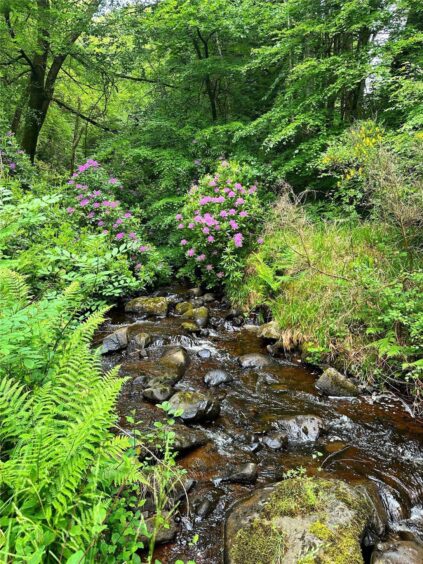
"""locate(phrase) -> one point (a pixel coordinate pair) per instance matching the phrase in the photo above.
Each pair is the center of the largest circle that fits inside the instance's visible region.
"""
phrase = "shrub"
(219, 223)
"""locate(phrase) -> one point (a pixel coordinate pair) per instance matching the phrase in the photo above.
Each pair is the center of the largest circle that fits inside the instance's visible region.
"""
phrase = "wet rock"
(117, 341)
(396, 551)
(298, 517)
(139, 342)
(197, 302)
(166, 532)
(205, 503)
(181, 490)
(187, 439)
(140, 383)
(201, 316)
(232, 313)
(188, 313)
(254, 360)
(269, 331)
(195, 292)
(196, 406)
(159, 393)
(183, 307)
(301, 428)
(204, 354)
(175, 360)
(244, 474)
(217, 377)
(209, 297)
(333, 383)
(190, 327)
(276, 441)
(148, 306)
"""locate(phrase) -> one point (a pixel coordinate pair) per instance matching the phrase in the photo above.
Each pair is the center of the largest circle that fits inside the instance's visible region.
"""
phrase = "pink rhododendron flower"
(206, 230)
(178, 216)
(237, 186)
(238, 239)
(231, 194)
(210, 238)
(105, 232)
(191, 225)
(70, 210)
(132, 235)
(91, 215)
(212, 183)
(233, 224)
(232, 212)
(220, 274)
(113, 180)
(260, 240)
(120, 236)
(100, 223)
(191, 252)
(119, 221)
(209, 267)
(198, 219)
(223, 213)
(138, 266)
(84, 202)
(143, 249)
(128, 214)
(96, 204)
(217, 190)
(181, 226)
(71, 181)
(252, 189)
(239, 201)
(184, 242)
(243, 214)
(201, 257)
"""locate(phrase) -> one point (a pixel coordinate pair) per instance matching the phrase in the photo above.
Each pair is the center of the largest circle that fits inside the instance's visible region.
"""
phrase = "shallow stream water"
(372, 437)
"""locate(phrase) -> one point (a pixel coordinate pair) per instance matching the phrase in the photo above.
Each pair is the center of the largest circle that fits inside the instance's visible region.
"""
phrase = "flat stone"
(333, 383)
(217, 377)
(187, 439)
(196, 406)
(116, 341)
(255, 360)
(148, 306)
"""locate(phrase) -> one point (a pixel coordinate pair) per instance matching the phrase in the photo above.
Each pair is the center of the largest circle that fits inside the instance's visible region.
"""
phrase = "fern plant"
(60, 463)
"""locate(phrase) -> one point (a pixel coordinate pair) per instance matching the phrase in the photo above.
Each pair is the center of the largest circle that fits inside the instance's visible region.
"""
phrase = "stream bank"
(251, 419)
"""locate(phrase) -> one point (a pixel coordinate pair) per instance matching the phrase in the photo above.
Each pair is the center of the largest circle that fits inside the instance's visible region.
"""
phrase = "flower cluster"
(94, 203)
(220, 217)
(13, 161)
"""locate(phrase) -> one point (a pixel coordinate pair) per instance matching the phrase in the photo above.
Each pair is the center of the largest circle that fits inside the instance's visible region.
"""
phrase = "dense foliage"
(270, 149)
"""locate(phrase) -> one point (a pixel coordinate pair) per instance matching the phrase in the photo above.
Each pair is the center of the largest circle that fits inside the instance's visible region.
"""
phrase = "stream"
(371, 437)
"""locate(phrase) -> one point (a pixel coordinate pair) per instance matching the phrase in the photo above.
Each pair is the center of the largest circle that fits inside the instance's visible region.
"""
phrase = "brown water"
(370, 437)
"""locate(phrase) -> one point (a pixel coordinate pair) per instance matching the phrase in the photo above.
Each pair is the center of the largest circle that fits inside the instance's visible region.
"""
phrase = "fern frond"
(14, 292)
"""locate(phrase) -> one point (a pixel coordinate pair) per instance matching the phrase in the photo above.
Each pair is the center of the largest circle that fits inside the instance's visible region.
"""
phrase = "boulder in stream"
(187, 439)
(201, 316)
(301, 428)
(158, 393)
(333, 383)
(183, 307)
(270, 331)
(174, 360)
(243, 474)
(116, 341)
(217, 377)
(299, 520)
(190, 327)
(166, 531)
(148, 306)
(195, 406)
(255, 360)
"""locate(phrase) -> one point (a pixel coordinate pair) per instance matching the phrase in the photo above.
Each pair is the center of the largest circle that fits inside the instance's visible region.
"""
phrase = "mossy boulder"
(333, 383)
(190, 327)
(148, 306)
(183, 307)
(301, 520)
(201, 316)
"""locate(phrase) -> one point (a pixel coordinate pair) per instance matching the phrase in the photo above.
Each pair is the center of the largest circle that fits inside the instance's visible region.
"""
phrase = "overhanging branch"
(82, 116)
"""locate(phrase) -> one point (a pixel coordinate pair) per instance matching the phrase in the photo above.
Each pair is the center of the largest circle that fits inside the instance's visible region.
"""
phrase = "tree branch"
(142, 79)
(82, 116)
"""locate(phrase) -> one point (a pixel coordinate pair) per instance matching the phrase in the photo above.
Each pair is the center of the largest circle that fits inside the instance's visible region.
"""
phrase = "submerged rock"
(196, 406)
(148, 306)
(205, 503)
(276, 441)
(204, 353)
(217, 377)
(333, 383)
(254, 360)
(244, 474)
(116, 341)
(301, 428)
(300, 519)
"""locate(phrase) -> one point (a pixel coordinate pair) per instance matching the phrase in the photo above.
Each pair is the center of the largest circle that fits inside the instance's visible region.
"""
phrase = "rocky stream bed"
(250, 417)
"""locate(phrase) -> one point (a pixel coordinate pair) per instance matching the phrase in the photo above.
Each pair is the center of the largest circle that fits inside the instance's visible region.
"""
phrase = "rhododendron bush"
(219, 223)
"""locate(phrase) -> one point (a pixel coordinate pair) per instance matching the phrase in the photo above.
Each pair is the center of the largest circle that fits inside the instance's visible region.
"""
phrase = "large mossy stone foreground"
(302, 520)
